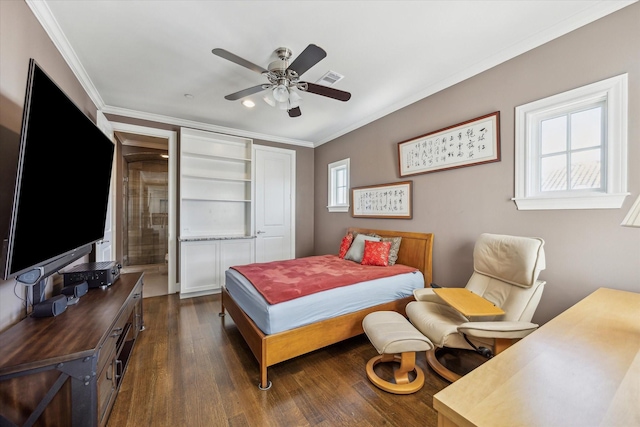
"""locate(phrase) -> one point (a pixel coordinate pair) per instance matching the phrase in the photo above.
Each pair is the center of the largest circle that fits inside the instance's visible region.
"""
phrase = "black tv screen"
(62, 183)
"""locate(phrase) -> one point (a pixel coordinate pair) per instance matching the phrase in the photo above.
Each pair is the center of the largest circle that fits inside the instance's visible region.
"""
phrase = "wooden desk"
(580, 369)
(468, 303)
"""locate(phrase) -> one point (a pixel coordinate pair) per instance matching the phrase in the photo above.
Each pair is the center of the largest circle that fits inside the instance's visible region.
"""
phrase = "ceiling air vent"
(330, 78)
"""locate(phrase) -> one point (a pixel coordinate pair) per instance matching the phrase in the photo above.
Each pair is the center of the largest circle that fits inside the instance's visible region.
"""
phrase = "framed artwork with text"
(469, 143)
(383, 201)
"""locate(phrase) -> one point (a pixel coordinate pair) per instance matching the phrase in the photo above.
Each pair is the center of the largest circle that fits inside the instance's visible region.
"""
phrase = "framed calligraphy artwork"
(473, 142)
(383, 201)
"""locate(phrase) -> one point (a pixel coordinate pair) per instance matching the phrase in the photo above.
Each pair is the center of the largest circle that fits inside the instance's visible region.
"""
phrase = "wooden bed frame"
(415, 251)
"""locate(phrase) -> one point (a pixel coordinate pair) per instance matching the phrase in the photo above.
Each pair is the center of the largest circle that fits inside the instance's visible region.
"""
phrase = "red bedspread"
(280, 281)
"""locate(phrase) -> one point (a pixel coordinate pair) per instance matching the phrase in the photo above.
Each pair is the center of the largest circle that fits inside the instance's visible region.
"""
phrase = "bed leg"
(269, 384)
(265, 384)
(222, 313)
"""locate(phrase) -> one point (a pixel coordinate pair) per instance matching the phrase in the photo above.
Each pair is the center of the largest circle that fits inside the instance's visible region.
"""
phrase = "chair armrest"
(509, 330)
(427, 294)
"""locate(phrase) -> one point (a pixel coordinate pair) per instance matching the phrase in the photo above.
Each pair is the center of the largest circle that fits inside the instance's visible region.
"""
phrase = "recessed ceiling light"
(248, 103)
(188, 96)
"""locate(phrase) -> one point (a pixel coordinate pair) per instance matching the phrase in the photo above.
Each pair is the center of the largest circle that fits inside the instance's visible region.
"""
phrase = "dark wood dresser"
(67, 370)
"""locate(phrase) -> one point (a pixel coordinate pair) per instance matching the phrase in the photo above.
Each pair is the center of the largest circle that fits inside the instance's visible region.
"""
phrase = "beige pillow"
(395, 247)
(356, 251)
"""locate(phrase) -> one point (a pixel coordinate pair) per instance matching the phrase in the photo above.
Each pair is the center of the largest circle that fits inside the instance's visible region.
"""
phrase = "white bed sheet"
(274, 318)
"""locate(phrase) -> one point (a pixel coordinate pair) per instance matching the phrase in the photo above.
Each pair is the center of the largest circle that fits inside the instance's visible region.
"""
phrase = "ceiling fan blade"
(340, 95)
(240, 61)
(295, 112)
(246, 92)
(307, 59)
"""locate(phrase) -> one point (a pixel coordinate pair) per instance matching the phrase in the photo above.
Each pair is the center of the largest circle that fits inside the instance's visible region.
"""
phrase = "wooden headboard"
(415, 249)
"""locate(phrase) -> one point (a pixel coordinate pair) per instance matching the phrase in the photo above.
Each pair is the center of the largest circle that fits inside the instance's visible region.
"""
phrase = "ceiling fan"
(284, 78)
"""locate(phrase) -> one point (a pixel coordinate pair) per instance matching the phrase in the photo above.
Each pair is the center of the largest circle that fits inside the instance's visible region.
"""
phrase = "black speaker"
(76, 290)
(50, 307)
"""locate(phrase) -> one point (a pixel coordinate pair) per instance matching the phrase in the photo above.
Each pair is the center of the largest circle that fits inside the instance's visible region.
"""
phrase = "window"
(571, 149)
(339, 186)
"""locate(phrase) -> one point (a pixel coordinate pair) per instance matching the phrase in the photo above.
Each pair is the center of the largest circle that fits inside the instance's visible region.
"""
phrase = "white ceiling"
(139, 58)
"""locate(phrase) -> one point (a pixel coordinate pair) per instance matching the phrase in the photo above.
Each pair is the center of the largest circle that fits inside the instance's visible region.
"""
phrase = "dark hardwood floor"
(191, 367)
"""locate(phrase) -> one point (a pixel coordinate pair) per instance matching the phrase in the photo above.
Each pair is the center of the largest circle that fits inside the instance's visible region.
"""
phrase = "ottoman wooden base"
(396, 340)
(401, 376)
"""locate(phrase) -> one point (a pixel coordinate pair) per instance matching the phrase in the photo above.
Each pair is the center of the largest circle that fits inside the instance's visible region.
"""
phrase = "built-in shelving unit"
(216, 187)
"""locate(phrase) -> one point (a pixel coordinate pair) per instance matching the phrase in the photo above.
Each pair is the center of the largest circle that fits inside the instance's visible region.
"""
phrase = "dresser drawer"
(135, 307)
(115, 338)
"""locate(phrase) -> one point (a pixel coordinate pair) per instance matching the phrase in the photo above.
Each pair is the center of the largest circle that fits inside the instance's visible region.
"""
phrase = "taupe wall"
(586, 249)
(21, 38)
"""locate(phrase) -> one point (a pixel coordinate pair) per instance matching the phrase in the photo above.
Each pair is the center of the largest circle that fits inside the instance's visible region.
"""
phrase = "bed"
(272, 348)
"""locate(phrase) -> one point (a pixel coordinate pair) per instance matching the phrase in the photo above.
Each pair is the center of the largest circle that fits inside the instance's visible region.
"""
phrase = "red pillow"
(345, 245)
(376, 253)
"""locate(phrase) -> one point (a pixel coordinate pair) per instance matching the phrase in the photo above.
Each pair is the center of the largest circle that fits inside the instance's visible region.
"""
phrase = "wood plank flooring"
(191, 367)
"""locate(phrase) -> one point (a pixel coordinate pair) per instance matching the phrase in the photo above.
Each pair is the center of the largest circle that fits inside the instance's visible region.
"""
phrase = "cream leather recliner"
(506, 270)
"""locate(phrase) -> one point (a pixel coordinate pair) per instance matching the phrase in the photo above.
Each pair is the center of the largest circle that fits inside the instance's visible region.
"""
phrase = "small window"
(571, 149)
(339, 186)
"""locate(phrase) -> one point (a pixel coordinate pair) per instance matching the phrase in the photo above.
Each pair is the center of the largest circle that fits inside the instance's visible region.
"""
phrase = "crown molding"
(43, 14)
(202, 126)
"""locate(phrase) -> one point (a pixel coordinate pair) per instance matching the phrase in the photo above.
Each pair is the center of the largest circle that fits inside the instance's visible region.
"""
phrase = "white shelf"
(215, 178)
(196, 238)
(215, 156)
(203, 199)
(200, 143)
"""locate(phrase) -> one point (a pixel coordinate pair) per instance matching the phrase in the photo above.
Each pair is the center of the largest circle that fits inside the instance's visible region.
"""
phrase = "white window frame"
(614, 167)
(332, 204)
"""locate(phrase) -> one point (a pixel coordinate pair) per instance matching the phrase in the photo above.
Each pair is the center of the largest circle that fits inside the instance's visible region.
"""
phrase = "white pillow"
(356, 251)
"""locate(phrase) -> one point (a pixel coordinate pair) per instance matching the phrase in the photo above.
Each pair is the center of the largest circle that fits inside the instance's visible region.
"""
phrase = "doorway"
(145, 234)
(146, 206)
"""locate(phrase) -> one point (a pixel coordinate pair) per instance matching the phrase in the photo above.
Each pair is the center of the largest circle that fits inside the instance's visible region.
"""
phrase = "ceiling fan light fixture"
(269, 100)
(294, 99)
(281, 93)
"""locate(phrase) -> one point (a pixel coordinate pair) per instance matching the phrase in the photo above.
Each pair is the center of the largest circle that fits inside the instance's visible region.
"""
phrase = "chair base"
(433, 358)
(402, 383)
(434, 363)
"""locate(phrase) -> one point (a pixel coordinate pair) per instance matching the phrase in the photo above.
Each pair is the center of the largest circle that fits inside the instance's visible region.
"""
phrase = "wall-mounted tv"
(61, 187)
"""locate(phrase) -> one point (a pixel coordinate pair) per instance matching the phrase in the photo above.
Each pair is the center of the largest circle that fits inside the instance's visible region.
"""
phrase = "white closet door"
(274, 203)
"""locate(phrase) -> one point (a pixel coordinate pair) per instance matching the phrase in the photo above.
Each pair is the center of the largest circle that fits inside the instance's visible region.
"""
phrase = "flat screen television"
(61, 186)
